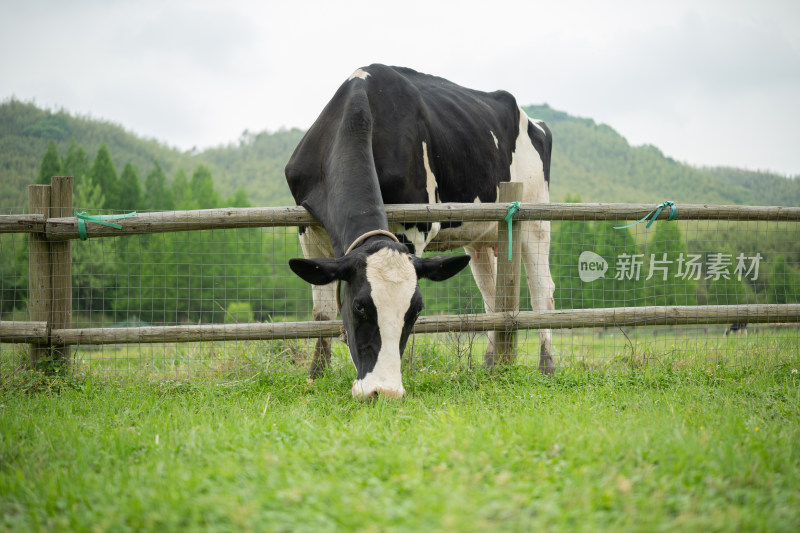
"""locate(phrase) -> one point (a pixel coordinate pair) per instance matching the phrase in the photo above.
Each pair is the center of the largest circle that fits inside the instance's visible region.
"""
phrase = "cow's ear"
(319, 271)
(440, 268)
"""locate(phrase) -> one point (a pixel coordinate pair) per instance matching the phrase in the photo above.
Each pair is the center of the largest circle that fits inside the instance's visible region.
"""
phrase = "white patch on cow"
(496, 144)
(418, 238)
(526, 164)
(393, 280)
(413, 235)
(360, 74)
(430, 179)
(538, 124)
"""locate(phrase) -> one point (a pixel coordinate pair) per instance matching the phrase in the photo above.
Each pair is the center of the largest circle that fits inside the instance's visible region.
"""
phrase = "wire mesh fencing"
(179, 303)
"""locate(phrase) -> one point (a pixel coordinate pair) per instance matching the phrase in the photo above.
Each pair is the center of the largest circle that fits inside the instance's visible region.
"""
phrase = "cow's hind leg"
(483, 264)
(536, 256)
(315, 244)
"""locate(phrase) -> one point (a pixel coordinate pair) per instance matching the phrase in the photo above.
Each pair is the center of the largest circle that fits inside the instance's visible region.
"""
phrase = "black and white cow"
(737, 328)
(390, 136)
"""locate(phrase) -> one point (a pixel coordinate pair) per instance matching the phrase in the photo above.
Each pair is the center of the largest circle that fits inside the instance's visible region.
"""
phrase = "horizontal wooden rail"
(568, 318)
(23, 332)
(591, 211)
(33, 223)
(65, 228)
(620, 316)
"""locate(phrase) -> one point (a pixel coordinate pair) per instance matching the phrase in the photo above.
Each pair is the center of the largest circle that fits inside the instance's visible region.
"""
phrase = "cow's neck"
(349, 213)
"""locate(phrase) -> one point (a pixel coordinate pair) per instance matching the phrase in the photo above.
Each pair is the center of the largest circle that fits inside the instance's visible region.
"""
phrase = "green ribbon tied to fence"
(512, 209)
(97, 219)
(673, 215)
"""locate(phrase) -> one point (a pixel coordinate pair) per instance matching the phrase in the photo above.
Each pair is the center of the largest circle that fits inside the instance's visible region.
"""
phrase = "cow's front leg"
(324, 309)
(536, 255)
(315, 243)
(483, 264)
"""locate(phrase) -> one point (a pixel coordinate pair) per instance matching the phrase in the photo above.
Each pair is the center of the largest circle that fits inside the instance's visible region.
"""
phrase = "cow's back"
(468, 136)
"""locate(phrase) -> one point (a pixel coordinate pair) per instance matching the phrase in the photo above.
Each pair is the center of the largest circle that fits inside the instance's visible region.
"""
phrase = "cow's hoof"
(316, 370)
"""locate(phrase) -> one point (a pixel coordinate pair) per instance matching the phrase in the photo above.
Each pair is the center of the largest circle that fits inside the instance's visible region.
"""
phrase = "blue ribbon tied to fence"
(512, 209)
(97, 219)
(673, 215)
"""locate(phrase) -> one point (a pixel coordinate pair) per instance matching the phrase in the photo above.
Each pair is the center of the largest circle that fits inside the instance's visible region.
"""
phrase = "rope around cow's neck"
(369, 234)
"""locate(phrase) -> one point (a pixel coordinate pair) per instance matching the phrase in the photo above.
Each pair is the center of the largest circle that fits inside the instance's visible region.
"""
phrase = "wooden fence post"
(50, 273)
(508, 277)
(39, 277)
(61, 267)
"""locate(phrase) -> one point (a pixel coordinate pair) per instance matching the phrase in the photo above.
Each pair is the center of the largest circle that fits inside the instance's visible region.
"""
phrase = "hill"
(597, 163)
(25, 131)
(590, 160)
(255, 162)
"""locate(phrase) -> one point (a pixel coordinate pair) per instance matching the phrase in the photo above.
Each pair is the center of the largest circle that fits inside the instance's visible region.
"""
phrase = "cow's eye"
(360, 309)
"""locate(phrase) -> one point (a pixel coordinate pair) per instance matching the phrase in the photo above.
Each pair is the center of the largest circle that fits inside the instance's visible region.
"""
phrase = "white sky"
(708, 82)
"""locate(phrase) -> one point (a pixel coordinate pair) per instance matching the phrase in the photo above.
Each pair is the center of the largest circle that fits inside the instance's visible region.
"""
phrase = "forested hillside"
(254, 162)
(590, 160)
(597, 163)
(25, 131)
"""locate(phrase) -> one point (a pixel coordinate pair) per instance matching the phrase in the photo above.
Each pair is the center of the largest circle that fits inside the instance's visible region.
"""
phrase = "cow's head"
(380, 303)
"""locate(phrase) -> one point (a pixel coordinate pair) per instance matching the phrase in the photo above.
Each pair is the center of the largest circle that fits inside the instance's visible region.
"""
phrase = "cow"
(736, 328)
(391, 135)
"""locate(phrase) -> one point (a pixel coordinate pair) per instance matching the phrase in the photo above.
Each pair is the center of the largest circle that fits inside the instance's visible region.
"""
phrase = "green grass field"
(630, 435)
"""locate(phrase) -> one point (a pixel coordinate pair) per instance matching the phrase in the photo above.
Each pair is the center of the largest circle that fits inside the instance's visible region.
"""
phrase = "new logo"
(591, 266)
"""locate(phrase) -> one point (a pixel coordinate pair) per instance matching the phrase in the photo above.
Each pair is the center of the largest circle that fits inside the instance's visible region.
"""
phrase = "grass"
(698, 446)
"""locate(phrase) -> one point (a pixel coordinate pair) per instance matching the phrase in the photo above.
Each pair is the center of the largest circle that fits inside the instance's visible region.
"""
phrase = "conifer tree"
(76, 163)
(203, 188)
(105, 176)
(158, 197)
(51, 164)
(130, 188)
(182, 192)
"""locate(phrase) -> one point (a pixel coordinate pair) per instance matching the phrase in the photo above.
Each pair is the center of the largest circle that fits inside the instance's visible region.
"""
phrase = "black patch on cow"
(543, 142)
(364, 334)
(414, 310)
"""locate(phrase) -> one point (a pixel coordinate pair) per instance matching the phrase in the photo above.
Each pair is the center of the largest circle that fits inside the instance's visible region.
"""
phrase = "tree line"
(207, 276)
(722, 263)
(125, 191)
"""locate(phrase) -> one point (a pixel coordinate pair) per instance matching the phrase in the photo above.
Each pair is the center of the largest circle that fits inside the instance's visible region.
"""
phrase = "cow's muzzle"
(365, 389)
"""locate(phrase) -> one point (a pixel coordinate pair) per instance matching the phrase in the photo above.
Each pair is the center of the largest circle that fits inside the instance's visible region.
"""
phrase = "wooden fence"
(52, 227)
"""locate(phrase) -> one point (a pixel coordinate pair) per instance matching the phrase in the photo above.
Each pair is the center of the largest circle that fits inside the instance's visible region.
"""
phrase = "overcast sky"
(708, 82)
